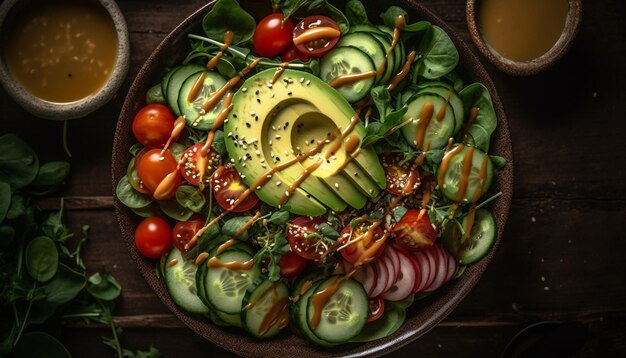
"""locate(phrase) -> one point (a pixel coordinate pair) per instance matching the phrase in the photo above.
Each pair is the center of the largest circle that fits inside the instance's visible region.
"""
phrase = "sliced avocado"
(272, 123)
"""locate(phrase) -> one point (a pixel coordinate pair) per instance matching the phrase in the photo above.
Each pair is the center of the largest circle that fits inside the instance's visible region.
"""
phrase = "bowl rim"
(242, 344)
(536, 65)
(82, 107)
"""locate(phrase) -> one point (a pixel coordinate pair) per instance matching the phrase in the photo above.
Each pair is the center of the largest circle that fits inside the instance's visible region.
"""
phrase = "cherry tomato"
(153, 125)
(292, 53)
(153, 237)
(189, 169)
(354, 252)
(310, 248)
(271, 36)
(319, 47)
(152, 169)
(414, 231)
(291, 264)
(401, 179)
(377, 307)
(228, 187)
(184, 231)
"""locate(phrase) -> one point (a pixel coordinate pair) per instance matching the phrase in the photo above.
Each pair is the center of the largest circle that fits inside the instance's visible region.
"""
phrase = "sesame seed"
(278, 136)
(258, 187)
(257, 152)
(301, 79)
(244, 89)
(278, 183)
(336, 185)
(253, 113)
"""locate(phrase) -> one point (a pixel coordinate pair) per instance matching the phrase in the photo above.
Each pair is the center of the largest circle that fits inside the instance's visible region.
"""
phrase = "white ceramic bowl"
(61, 111)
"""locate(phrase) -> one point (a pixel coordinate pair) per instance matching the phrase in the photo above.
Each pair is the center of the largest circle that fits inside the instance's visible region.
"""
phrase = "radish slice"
(393, 254)
(432, 264)
(367, 273)
(403, 287)
(382, 278)
(391, 270)
(441, 270)
(451, 266)
(418, 272)
(424, 266)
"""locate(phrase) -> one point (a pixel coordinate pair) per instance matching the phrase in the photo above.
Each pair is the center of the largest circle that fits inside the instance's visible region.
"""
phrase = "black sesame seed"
(258, 100)
(248, 125)
(277, 159)
(234, 116)
(312, 141)
(289, 93)
(257, 92)
(327, 161)
(256, 118)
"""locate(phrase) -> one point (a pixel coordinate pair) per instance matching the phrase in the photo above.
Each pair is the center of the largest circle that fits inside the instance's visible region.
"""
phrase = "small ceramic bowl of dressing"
(62, 59)
(523, 37)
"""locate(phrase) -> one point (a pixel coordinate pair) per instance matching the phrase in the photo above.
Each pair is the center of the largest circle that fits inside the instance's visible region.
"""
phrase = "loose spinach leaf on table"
(227, 15)
(19, 164)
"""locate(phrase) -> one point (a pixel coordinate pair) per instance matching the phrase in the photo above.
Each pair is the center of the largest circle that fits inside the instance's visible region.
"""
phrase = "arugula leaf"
(399, 212)
(228, 15)
(327, 231)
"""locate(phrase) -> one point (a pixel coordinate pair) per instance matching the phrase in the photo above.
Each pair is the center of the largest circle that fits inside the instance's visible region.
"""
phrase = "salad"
(313, 167)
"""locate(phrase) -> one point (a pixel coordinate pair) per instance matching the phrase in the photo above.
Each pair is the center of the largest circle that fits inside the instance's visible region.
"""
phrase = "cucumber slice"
(264, 307)
(481, 239)
(191, 110)
(390, 69)
(368, 44)
(439, 130)
(344, 314)
(180, 281)
(346, 61)
(166, 79)
(174, 83)
(231, 319)
(299, 316)
(450, 181)
(449, 94)
(225, 288)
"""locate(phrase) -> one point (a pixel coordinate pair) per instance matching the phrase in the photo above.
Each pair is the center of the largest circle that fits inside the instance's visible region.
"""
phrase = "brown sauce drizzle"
(398, 25)
(320, 299)
(179, 125)
(228, 243)
(195, 89)
(214, 99)
(316, 33)
(350, 78)
(171, 263)
(228, 40)
(473, 114)
(352, 143)
(296, 183)
(247, 224)
(426, 113)
(279, 71)
(278, 315)
(441, 114)
(405, 71)
(201, 258)
(214, 262)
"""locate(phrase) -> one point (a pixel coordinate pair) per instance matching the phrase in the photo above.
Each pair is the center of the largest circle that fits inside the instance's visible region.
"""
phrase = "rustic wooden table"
(562, 255)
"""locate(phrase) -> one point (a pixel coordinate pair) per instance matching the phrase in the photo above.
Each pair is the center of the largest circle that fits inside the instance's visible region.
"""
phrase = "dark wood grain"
(562, 253)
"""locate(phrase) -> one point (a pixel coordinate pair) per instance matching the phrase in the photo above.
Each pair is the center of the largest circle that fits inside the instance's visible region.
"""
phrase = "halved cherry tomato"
(377, 307)
(228, 187)
(153, 125)
(354, 252)
(291, 264)
(401, 179)
(271, 36)
(189, 169)
(153, 237)
(152, 168)
(292, 53)
(414, 231)
(310, 248)
(184, 231)
(319, 47)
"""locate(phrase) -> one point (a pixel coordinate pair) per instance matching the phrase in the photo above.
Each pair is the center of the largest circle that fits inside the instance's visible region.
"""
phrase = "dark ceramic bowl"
(524, 68)
(421, 317)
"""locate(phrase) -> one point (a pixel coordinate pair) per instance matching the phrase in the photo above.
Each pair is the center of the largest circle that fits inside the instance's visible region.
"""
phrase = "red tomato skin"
(353, 252)
(193, 157)
(377, 307)
(291, 264)
(184, 231)
(298, 228)
(319, 21)
(152, 169)
(292, 53)
(153, 125)
(414, 231)
(271, 37)
(153, 237)
(228, 187)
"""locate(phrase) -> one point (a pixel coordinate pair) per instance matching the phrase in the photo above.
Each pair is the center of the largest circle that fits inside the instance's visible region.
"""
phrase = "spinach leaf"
(280, 217)
(477, 95)
(64, 286)
(233, 225)
(498, 162)
(103, 286)
(19, 164)
(399, 212)
(327, 231)
(129, 196)
(41, 258)
(228, 15)
(356, 13)
(39, 344)
(219, 144)
(437, 55)
(191, 198)
(146, 211)
(52, 173)
(304, 8)
(5, 200)
(174, 210)
(389, 117)
(393, 12)
(7, 235)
